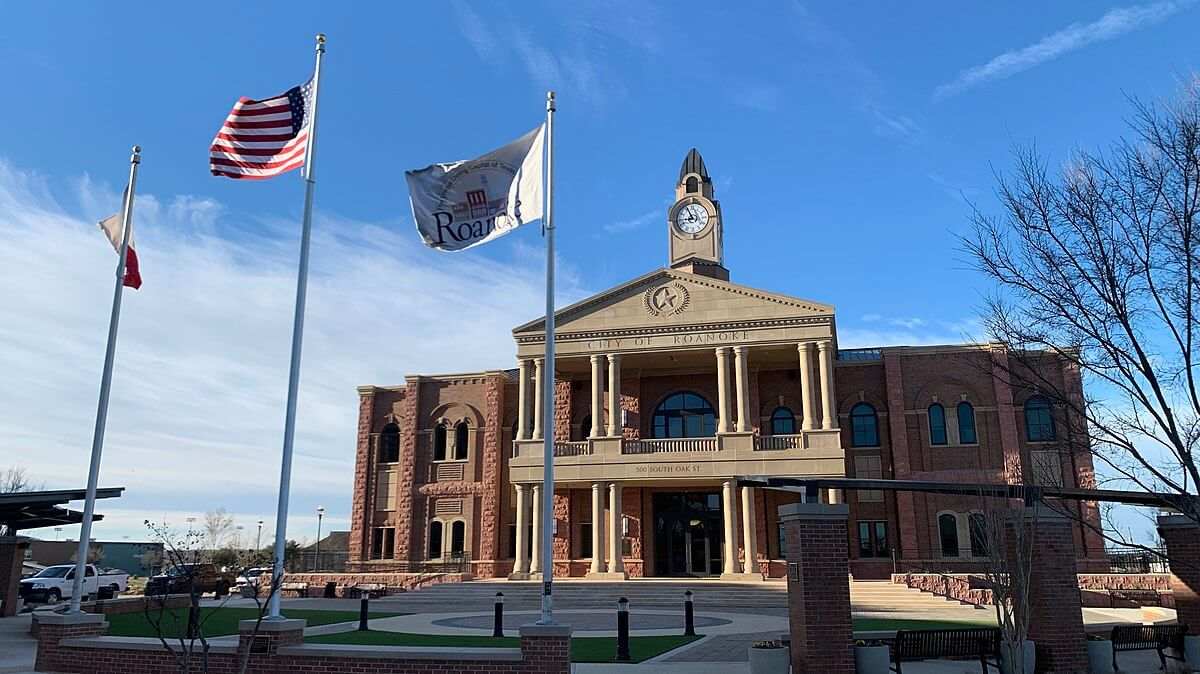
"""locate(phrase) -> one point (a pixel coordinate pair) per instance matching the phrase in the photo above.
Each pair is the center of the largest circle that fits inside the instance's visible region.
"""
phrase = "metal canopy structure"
(1028, 493)
(36, 509)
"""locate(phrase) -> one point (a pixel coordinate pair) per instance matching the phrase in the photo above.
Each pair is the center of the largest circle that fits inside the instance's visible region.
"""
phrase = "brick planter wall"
(1182, 538)
(72, 644)
(818, 582)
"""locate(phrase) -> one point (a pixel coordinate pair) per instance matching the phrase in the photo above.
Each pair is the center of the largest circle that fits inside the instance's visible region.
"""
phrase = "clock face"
(691, 218)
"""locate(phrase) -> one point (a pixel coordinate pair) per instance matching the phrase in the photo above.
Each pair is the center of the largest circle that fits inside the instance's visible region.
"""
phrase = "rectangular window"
(385, 498)
(512, 541)
(585, 540)
(1047, 469)
(782, 542)
(383, 543)
(869, 468)
(872, 539)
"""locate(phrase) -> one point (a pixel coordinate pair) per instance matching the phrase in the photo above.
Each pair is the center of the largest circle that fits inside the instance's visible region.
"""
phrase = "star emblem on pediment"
(668, 299)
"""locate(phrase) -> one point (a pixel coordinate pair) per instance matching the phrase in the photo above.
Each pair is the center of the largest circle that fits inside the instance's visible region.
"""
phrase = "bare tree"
(218, 525)
(1009, 561)
(15, 479)
(1098, 264)
(183, 634)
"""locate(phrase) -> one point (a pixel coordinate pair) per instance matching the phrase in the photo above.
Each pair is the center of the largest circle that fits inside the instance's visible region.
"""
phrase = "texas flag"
(111, 226)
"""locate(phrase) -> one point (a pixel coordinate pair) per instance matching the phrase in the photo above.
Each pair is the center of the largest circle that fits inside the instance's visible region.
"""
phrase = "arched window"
(462, 433)
(435, 539)
(783, 422)
(948, 532)
(966, 424)
(937, 424)
(458, 538)
(684, 415)
(979, 539)
(692, 185)
(389, 444)
(1039, 421)
(439, 442)
(864, 426)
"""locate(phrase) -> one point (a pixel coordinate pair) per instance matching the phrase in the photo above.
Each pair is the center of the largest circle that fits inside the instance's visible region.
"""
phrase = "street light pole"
(320, 515)
(258, 539)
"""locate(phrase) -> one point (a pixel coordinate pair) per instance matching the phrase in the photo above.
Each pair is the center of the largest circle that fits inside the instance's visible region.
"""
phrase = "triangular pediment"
(672, 298)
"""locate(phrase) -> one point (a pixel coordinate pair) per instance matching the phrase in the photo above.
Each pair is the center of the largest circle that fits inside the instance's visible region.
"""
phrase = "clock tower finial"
(694, 222)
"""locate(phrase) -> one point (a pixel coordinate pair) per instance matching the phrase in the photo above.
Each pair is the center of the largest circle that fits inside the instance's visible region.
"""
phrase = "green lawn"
(583, 649)
(873, 624)
(219, 621)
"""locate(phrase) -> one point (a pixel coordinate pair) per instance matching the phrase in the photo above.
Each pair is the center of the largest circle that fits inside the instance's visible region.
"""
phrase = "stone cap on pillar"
(268, 625)
(813, 511)
(1176, 521)
(534, 630)
(52, 618)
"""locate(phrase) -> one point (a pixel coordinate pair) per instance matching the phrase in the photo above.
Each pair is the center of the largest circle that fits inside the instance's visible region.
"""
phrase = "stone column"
(535, 559)
(1055, 614)
(1181, 535)
(523, 399)
(614, 395)
(598, 541)
(806, 396)
(723, 414)
(539, 396)
(749, 532)
(616, 560)
(597, 428)
(828, 418)
(521, 563)
(818, 588)
(742, 377)
(12, 557)
(728, 508)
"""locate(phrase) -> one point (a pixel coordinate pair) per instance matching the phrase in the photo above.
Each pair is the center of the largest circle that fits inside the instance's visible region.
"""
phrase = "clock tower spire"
(694, 222)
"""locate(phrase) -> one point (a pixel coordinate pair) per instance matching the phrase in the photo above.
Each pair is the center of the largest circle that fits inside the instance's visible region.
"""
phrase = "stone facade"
(673, 385)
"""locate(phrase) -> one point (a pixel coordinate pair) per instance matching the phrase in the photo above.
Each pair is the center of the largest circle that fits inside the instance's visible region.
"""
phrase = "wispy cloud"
(474, 29)
(894, 126)
(882, 331)
(761, 97)
(201, 369)
(1114, 23)
(635, 222)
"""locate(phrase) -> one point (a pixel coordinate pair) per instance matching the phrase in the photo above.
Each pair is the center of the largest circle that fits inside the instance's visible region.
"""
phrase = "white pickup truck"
(55, 583)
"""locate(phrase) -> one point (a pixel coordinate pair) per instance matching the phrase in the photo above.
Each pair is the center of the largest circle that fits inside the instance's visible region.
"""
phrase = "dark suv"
(187, 578)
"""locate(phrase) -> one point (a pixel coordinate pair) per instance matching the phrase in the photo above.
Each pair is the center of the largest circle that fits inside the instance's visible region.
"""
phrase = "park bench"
(1148, 637)
(301, 589)
(368, 590)
(980, 642)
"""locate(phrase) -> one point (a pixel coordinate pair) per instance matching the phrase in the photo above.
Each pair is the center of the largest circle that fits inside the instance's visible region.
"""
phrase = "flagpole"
(89, 502)
(289, 426)
(547, 513)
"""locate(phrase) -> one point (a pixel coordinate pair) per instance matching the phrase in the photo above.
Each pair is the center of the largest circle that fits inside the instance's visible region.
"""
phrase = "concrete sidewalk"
(17, 648)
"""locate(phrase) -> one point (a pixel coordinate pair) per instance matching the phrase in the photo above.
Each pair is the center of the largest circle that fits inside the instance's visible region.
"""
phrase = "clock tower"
(694, 222)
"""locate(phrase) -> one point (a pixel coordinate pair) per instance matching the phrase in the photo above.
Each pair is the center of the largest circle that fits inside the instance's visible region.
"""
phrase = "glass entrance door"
(687, 533)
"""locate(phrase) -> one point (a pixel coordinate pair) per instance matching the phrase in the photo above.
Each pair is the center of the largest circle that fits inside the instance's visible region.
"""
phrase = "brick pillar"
(1007, 412)
(12, 556)
(53, 628)
(408, 546)
(546, 648)
(562, 410)
(271, 635)
(818, 584)
(902, 468)
(493, 439)
(1181, 535)
(360, 506)
(1055, 608)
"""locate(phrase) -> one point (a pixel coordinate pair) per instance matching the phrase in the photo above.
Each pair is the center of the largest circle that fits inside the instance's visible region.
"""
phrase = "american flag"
(261, 139)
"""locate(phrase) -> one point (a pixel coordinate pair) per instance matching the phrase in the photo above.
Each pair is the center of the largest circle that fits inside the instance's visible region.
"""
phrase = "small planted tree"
(182, 630)
(1008, 543)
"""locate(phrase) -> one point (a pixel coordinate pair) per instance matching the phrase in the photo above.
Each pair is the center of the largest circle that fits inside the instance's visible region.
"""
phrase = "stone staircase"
(875, 597)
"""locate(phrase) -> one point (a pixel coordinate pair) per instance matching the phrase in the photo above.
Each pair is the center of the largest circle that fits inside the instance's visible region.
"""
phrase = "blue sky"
(845, 140)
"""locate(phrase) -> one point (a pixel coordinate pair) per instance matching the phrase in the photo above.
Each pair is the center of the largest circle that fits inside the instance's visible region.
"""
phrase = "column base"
(516, 575)
(606, 575)
(743, 577)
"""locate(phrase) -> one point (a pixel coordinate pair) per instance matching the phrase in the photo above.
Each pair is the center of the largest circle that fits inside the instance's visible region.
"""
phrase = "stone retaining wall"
(395, 582)
(1102, 590)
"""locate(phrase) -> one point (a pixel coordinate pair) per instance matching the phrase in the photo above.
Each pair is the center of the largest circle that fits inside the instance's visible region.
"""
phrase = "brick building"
(667, 388)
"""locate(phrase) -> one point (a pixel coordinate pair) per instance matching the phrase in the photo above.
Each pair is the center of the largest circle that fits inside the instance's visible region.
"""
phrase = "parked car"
(252, 577)
(186, 578)
(54, 583)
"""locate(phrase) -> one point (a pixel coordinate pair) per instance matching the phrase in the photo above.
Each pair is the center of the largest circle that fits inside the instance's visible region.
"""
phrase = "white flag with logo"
(466, 203)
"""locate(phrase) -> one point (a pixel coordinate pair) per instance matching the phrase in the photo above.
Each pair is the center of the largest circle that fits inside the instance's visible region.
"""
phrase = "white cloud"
(198, 392)
(635, 222)
(908, 332)
(475, 30)
(1114, 23)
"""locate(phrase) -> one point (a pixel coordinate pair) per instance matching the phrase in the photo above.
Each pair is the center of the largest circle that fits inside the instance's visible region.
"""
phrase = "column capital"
(804, 346)
(596, 358)
(722, 351)
(825, 344)
(613, 357)
(539, 360)
(740, 350)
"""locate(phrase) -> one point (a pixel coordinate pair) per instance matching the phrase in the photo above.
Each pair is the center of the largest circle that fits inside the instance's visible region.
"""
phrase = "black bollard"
(362, 613)
(622, 629)
(498, 622)
(689, 615)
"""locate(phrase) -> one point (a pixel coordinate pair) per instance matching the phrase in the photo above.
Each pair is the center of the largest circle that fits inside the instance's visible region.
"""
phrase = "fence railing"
(669, 446)
(779, 442)
(1137, 561)
(574, 448)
